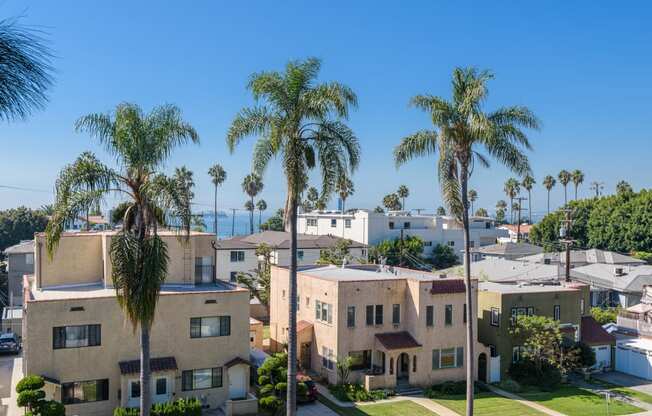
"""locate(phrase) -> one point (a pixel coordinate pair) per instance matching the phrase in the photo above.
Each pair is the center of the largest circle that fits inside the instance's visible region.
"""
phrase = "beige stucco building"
(77, 337)
(402, 328)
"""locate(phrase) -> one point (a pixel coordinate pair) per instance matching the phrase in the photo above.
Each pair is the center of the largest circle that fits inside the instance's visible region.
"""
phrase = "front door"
(305, 355)
(161, 389)
(237, 382)
(133, 393)
(403, 367)
(482, 367)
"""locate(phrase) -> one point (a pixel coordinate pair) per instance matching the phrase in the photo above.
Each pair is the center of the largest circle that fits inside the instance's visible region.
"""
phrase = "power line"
(20, 188)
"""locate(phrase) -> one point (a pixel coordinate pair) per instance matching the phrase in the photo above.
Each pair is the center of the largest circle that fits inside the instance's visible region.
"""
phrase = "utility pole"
(597, 187)
(520, 200)
(233, 222)
(564, 234)
(418, 210)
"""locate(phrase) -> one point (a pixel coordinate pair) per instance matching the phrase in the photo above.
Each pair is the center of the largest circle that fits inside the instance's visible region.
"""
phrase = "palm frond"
(264, 151)
(421, 143)
(248, 122)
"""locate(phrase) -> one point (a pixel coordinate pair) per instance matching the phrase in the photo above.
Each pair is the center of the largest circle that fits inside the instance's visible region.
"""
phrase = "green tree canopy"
(18, 224)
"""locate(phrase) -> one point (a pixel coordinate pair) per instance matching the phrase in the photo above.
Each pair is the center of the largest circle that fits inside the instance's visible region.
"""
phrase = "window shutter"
(103, 389)
(217, 377)
(195, 327)
(225, 326)
(58, 337)
(460, 357)
(94, 335)
(435, 359)
(186, 380)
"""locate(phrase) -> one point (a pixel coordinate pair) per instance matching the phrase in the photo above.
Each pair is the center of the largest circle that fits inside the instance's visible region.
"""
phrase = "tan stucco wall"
(170, 337)
(77, 260)
(256, 329)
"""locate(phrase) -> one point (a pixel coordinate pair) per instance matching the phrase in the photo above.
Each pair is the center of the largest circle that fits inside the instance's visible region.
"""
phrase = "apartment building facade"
(400, 327)
(77, 337)
(371, 228)
(20, 261)
(238, 254)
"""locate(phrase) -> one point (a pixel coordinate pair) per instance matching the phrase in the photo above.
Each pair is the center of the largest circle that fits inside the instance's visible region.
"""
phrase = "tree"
(18, 224)
(546, 232)
(25, 72)
(443, 257)
(249, 206)
(564, 177)
(218, 176)
(512, 189)
(623, 188)
(262, 206)
(598, 187)
(462, 129)
(404, 252)
(528, 183)
(379, 210)
(540, 337)
(441, 211)
(473, 196)
(252, 185)
(312, 196)
(344, 189)
(577, 176)
(274, 223)
(321, 204)
(481, 212)
(140, 143)
(403, 192)
(336, 254)
(549, 182)
(604, 315)
(301, 121)
(501, 206)
(392, 202)
(32, 397)
(259, 281)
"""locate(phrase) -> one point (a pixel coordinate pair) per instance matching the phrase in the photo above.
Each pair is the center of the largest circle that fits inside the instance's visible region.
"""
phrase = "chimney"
(619, 271)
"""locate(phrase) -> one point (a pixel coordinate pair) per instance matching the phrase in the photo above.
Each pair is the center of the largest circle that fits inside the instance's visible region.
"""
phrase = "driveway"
(9, 363)
(314, 409)
(626, 380)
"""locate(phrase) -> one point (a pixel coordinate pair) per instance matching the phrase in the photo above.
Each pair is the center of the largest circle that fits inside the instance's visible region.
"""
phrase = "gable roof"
(592, 333)
(591, 256)
(24, 247)
(281, 239)
(495, 269)
(510, 249)
(603, 275)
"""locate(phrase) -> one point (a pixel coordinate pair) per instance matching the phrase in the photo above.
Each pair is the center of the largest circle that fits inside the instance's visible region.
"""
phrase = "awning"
(155, 365)
(397, 340)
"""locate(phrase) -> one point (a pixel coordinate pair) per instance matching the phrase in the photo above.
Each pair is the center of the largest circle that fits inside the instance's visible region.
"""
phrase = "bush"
(453, 387)
(350, 393)
(121, 411)
(281, 387)
(270, 403)
(525, 372)
(266, 390)
(180, 407)
(510, 385)
(30, 383)
(263, 380)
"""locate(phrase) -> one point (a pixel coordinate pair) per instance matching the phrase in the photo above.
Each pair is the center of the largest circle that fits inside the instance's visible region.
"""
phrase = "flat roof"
(281, 239)
(160, 232)
(354, 273)
(518, 288)
(98, 290)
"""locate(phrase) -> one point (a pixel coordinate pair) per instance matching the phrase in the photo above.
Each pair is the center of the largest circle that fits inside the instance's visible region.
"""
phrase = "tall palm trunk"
(145, 390)
(216, 237)
(511, 210)
(565, 195)
(576, 186)
(251, 217)
(548, 201)
(292, 298)
(470, 376)
(260, 218)
(343, 211)
(529, 205)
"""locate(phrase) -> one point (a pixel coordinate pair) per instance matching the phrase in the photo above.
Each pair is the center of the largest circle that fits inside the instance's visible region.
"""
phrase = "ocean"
(228, 225)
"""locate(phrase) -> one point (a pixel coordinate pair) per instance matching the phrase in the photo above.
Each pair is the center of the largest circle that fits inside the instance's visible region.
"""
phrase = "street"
(7, 364)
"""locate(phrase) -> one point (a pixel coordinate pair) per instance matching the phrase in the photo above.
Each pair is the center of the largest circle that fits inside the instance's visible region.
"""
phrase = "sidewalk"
(602, 391)
(9, 403)
(523, 401)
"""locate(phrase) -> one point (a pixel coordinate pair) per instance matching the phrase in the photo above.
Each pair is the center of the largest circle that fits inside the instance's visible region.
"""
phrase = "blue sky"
(583, 67)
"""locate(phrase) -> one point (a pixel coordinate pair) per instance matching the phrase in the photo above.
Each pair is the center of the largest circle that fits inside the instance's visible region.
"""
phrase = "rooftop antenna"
(564, 238)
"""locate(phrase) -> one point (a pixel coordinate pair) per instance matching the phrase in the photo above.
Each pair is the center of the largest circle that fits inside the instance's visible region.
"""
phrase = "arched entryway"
(403, 367)
(482, 367)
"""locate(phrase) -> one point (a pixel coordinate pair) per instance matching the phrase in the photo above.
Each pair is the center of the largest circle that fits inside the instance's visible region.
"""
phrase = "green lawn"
(574, 401)
(403, 407)
(486, 404)
(266, 332)
(625, 391)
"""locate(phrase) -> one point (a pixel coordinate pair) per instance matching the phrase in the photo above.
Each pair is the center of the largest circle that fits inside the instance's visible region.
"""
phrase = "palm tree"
(512, 189)
(218, 176)
(140, 143)
(391, 202)
(564, 178)
(598, 187)
(262, 206)
(403, 192)
(441, 211)
(473, 196)
(528, 182)
(549, 182)
(501, 206)
(344, 189)
(462, 129)
(25, 71)
(312, 196)
(252, 185)
(577, 176)
(301, 121)
(481, 212)
(623, 187)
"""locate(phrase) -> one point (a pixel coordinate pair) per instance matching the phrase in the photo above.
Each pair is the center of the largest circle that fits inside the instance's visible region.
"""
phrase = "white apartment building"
(370, 228)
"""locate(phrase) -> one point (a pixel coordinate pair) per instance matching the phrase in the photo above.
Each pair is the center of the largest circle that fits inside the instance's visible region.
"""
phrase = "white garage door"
(633, 361)
(602, 356)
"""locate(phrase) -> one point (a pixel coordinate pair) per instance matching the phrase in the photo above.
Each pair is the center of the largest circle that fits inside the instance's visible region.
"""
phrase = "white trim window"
(311, 222)
(495, 317)
(327, 360)
(347, 223)
(237, 256)
(323, 312)
(447, 358)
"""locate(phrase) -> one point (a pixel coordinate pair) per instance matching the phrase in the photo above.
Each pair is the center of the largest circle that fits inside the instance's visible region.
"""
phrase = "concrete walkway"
(602, 391)
(525, 402)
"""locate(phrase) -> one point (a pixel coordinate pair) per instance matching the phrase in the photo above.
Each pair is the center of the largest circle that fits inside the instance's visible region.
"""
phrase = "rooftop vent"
(546, 261)
(619, 271)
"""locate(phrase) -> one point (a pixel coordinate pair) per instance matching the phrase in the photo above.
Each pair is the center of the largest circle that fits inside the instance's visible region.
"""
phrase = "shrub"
(121, 411)
(270, 403)
(263, 380)
(350, 393)
(302, 389)
(180, 407)
(525, 372)
(453, 387)
(510, 385)
(30, 383)
(266, 390)
(281, 387)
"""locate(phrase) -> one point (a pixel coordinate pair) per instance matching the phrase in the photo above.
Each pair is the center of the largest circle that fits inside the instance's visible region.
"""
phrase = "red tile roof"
(397, 340)
(594, 334)
(155, 364)
(448, 286)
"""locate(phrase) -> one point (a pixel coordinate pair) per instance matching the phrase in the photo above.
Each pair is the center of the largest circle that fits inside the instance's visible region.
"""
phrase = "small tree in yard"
(443, 257)
(344, 369)
(258, 281)
(541, 339)
(32, 398)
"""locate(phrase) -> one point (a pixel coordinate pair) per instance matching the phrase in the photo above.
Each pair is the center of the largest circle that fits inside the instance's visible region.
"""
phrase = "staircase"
(403, 388)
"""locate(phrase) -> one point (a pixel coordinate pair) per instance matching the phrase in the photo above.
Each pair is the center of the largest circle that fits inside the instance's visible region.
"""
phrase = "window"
(430, 315)
(323, 312)
(76, 336)
(363, 252)
(487, 225)
(205, 378)
(406, 225)
(237, 256)
(517, 353)
(472, 243)
(448, 358)
(360, 360)
(396, 314)
(333, 222)
(233, 276)
(391, 225)
(492, 351)
(134, 389)
(379, 314)
(451, 243)
(29, 258)
(211, 326)
(495, 317)
(327, 358)
(350, 317)
(347, 223)
(298, 301)
(300, 254)
(414, 363)
(307, 301)
(448, 315)
(311, 222)
(464, 313)
(370, 315)
(252, 336)
(427, 244)
(161, 386)
(85, 391)
(557, 312)
(530, 311)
